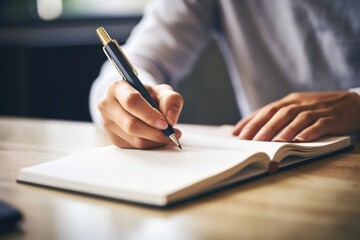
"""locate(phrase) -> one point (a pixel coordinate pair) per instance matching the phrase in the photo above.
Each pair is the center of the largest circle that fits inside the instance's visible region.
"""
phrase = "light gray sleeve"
(164, 46)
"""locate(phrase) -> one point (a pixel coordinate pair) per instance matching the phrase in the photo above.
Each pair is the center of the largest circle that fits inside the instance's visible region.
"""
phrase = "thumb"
(170, 103)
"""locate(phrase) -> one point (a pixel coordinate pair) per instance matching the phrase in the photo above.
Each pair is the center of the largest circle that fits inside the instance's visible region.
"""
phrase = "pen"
(127, 71)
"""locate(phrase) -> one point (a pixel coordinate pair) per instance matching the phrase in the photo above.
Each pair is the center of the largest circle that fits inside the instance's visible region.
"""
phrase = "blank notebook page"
(231, 143)
(116, 172)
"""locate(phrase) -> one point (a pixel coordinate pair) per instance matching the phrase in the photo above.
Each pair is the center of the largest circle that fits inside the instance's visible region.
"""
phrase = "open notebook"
(166, 175)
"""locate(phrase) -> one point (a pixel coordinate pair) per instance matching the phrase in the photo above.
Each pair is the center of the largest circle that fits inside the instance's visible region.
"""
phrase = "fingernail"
(283, 137)
(161, 124)
(279, 139)
(173, 115)
(300, 138)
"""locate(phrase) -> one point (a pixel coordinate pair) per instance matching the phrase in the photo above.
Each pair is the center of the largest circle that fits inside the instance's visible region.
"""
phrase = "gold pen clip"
(126, 58)
(116, 67)
(106, 39)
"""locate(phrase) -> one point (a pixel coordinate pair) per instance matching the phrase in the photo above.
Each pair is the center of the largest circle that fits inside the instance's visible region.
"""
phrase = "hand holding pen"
(134, 115)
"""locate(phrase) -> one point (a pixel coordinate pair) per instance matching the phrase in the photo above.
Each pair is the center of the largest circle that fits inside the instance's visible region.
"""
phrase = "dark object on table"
(9, 217)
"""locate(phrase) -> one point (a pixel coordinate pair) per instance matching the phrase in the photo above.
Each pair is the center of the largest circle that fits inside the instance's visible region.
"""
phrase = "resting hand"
(303, 117)
(131, 122)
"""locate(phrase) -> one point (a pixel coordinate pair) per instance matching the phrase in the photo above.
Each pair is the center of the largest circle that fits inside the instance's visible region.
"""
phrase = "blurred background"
(50, 55)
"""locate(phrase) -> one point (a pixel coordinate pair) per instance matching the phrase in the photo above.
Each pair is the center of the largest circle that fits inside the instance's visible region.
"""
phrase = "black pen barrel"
(126, 70)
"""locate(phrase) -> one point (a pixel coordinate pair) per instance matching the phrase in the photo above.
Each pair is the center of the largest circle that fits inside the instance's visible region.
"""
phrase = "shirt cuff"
(355, 90)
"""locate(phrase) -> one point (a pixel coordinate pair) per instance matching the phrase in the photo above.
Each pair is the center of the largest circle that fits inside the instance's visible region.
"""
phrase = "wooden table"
(320, 200)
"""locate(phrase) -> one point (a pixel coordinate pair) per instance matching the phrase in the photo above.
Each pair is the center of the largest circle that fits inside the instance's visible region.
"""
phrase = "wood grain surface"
(320, 200)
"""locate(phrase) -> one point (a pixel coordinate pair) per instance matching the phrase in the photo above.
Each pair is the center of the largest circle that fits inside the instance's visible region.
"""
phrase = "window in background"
(49, 9)
(28, 11)
(39, 37)
(79, 8)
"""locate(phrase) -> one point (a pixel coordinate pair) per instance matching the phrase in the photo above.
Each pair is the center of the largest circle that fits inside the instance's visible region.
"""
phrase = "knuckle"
(306, 116)
(324, 125)
(102, 105)
(271, 109)
(132, 99)
(131, 125)
(290, 110)
(321, 122)
(325, 121)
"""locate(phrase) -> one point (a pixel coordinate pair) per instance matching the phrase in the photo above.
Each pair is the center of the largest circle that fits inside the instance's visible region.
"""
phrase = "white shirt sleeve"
(163, 47)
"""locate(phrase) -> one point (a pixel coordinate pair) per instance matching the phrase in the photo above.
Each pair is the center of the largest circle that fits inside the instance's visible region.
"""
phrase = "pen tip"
(175, 140)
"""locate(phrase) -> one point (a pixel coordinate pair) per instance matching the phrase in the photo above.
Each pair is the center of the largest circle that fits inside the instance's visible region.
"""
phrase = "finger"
(321, 127)
(131, 125)
(301, 122)
(116, 140)
(240, 125)
(178, 133)
(122, 140)
(112, 111)
(170, 102)
(132, 101)
(277, 122)
(127, 141)
(113, 115)
(258, 121)
(128, 125)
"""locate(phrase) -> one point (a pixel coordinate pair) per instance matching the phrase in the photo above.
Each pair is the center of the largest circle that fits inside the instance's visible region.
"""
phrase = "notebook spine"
(273, 167)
